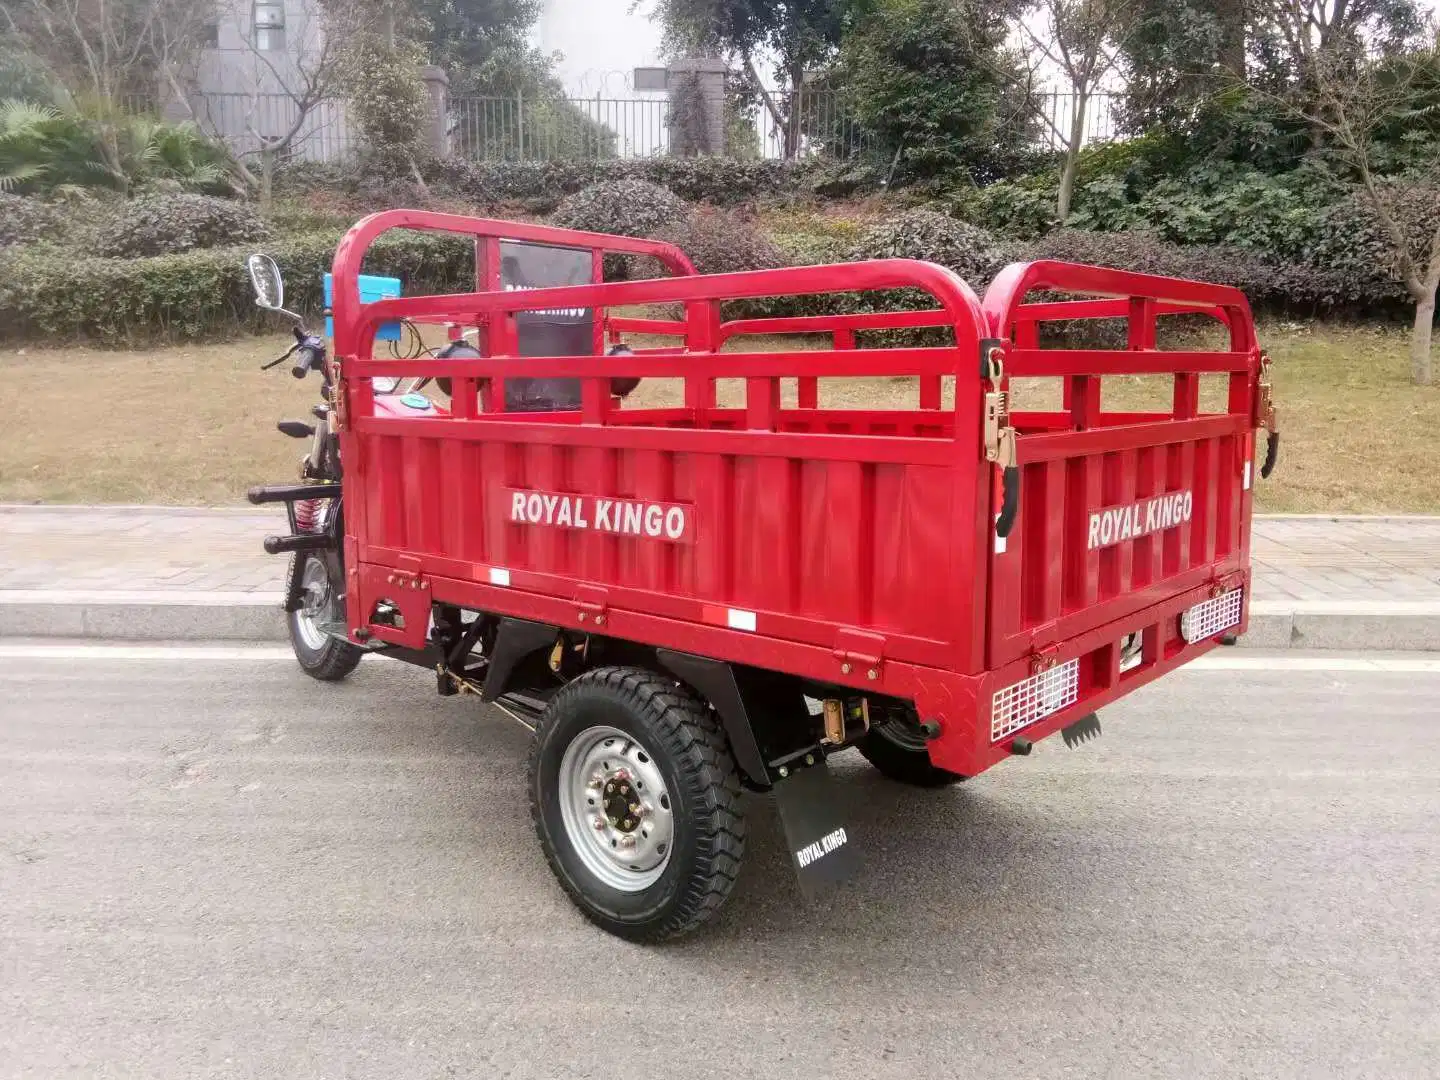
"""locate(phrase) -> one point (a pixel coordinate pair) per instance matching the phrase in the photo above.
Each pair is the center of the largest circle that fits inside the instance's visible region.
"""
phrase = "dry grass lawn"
(194, 425)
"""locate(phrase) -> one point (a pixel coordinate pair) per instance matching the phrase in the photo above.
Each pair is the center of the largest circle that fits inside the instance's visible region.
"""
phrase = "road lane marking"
(1413, 664)
(1407, 665)
(163, 653)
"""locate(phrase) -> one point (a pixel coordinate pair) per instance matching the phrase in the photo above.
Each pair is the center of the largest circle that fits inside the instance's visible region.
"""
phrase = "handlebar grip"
(1272, 455)
(304, 360)
(1010, 505)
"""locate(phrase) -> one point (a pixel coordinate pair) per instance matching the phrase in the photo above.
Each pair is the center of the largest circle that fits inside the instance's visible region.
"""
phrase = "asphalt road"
(223, 869)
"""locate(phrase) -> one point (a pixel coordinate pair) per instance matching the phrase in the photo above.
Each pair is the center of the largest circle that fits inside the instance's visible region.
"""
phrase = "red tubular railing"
(355, 324)
(842, 330)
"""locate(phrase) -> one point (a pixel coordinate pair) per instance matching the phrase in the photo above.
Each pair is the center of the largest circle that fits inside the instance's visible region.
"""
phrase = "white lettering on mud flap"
(1119, 523)
(820, 848)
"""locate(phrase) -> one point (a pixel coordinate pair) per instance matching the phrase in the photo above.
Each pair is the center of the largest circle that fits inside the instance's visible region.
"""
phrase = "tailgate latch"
(999, 435)
(1044, 658)
(1265, 417)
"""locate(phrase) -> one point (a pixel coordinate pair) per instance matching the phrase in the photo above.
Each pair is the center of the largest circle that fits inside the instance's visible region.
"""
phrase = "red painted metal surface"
(851, 546)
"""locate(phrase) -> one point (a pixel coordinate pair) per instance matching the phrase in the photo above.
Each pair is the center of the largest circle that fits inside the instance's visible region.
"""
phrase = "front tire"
(320, 653)
(636, 801)
(896, 746)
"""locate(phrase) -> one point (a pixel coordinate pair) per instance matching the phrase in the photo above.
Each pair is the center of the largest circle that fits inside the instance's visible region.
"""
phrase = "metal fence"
(809, 123)
(242, 121)
(544, 129)
(814, 122)
(1055, 110)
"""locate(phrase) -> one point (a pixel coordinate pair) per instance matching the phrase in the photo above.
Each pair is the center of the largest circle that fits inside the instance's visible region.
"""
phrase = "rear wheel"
(313, 625)
(636, 800)
(896, 746)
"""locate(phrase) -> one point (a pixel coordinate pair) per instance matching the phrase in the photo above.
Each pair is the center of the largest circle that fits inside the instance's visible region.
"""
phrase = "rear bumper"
(1076, 678)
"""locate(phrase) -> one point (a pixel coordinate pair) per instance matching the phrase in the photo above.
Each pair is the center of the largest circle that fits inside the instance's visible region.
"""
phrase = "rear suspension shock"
(307, 515)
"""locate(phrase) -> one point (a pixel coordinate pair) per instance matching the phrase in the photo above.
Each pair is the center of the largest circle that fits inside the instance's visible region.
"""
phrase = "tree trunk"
(1420, 338)
(765, 96)
(1072, 157)
(1231, 16)
(267, 178)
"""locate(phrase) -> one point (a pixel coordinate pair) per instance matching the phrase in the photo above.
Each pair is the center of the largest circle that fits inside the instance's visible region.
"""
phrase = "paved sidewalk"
(1382, 575)
(133, 549)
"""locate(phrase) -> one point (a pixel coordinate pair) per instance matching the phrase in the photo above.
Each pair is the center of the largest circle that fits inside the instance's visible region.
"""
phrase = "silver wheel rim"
(904, 734)
(604, 769)
(317, 602)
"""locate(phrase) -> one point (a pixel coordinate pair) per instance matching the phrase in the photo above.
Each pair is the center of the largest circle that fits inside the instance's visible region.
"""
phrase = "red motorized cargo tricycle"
(686, 598)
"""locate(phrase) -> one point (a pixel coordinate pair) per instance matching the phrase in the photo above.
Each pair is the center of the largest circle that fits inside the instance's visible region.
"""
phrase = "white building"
(247, 83)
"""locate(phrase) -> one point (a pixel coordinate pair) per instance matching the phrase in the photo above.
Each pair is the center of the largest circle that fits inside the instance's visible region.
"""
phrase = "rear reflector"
(1034, 699)
(1207, 619)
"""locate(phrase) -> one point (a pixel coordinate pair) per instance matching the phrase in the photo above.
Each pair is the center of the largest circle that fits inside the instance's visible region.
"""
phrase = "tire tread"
(691, 736)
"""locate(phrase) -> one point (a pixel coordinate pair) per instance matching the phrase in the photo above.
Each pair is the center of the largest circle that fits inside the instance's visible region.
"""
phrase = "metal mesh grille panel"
(1034, 699)
(1207, 619)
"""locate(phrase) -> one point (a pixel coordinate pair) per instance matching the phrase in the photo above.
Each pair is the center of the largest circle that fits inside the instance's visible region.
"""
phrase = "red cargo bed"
(853, 547)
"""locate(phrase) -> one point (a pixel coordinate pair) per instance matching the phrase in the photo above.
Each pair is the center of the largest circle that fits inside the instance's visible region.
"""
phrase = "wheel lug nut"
(627, 841)
(622, 774)
(599, 823)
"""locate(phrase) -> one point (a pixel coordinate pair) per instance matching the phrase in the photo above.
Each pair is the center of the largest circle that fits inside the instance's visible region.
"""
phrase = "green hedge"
(539, 186)
(1283, 288)
(201, 294)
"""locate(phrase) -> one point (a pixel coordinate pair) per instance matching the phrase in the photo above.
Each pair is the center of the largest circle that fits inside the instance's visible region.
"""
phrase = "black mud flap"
(822, 849)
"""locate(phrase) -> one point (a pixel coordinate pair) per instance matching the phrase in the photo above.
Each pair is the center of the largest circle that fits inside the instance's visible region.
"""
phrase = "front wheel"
(314, 624)
(636, 800)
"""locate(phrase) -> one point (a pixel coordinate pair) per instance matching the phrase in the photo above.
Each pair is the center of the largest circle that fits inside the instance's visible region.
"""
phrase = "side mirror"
(269, 285)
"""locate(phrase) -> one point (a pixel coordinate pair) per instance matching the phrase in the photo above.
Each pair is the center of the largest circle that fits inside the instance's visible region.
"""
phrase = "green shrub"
(1289, 288)
(968, 250)
(1216, 203)
(1021, 209)
(172, 224)
(812, 249)
(540, 186)
(1220, 203)
(28, 220)
(927, 79)
(722, 242)
(43, 149)
(622, 208)
(200, 294)
(1352, 242)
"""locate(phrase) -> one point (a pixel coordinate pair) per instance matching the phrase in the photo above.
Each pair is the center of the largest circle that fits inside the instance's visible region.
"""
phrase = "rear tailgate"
(1123, 512)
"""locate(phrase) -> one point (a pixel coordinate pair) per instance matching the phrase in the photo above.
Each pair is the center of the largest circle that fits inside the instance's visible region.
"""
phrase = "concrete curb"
(1401, 626)
(143, 616)
(136, 510)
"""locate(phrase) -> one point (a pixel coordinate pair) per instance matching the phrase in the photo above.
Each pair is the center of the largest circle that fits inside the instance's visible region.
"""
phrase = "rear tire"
(321, 655)
(896, 747)
(617, 739)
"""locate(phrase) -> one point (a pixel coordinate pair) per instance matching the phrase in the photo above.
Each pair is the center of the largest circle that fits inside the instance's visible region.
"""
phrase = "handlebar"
(309, 353)
(307, 356)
